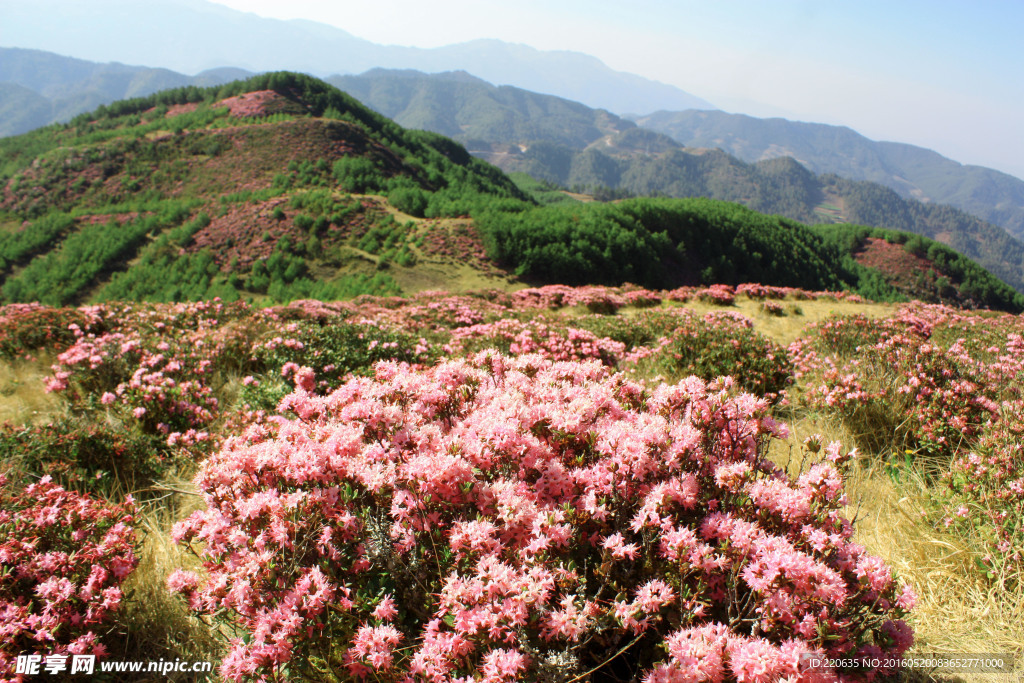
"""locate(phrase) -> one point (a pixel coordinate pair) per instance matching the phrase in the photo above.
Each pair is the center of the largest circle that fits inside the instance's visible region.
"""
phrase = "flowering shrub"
(500, 519)
(595, 298)
(154, 366)
(160, 390)
(721, 344)
(758, 292)
(720, 295)
(63, 557)
(332, 350)
(553, 341)
(984, 495)
(29, 327)
(932, 380)
(894, 386)
(81, 456)
(639, 297)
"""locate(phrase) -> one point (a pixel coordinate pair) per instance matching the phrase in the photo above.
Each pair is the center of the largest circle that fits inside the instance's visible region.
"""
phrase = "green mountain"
(282, 187)
(913, 172)
(257, 188)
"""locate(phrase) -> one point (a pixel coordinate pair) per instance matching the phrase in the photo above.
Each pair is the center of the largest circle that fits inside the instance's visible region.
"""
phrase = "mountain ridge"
(218, 36)
(569, 144)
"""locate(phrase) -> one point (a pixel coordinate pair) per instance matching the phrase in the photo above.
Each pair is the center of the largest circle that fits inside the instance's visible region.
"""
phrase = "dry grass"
(959, 611)
(154, 624)
(23, 397)
(785, 329)
(431, 273)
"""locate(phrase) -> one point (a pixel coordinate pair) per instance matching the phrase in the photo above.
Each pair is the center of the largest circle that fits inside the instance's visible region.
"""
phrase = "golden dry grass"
(959, 610)
(23, 397)
(785, 329)
(153, 623)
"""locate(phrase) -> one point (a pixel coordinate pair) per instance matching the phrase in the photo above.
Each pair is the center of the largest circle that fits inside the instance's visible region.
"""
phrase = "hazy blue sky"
(944, 74)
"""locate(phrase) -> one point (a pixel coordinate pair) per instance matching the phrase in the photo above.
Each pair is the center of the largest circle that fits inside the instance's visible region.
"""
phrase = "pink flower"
(385, 609)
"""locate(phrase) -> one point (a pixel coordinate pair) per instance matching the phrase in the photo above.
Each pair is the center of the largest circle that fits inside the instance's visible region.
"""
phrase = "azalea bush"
(555, 341)
(332, 348)
(336, 349)
(89, 457)
(27, 328)
(154, 386)
(717, 344)
(158, 368)
(982, 497)
(895, 386)
(720, 295)
(499, 519)
(941, 390)
(63, 558)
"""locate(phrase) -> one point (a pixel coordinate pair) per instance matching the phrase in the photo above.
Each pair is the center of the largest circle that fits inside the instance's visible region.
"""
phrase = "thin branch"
(172, 490)
(587, 673)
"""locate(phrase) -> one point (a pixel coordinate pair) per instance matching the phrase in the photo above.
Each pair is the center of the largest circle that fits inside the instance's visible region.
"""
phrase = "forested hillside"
(245, 189)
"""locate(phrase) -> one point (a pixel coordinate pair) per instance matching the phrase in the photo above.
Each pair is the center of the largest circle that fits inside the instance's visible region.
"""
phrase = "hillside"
(260, 188)
(282, 187)
(565, 143)
(913, 172)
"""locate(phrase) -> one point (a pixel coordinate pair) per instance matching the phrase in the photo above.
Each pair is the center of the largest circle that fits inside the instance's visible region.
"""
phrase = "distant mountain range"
(913, 172)
(153, 33)
(576, 146)
(38, 88)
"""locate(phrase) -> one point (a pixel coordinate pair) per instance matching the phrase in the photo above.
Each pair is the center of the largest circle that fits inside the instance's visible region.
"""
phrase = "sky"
(942, 74)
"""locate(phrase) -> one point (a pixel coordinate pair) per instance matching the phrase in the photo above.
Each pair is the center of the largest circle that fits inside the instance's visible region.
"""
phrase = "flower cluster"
(63, 557)
(498, 519)
(556, 342)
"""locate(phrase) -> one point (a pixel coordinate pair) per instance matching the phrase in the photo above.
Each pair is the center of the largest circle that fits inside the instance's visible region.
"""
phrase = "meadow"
(552, 484)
